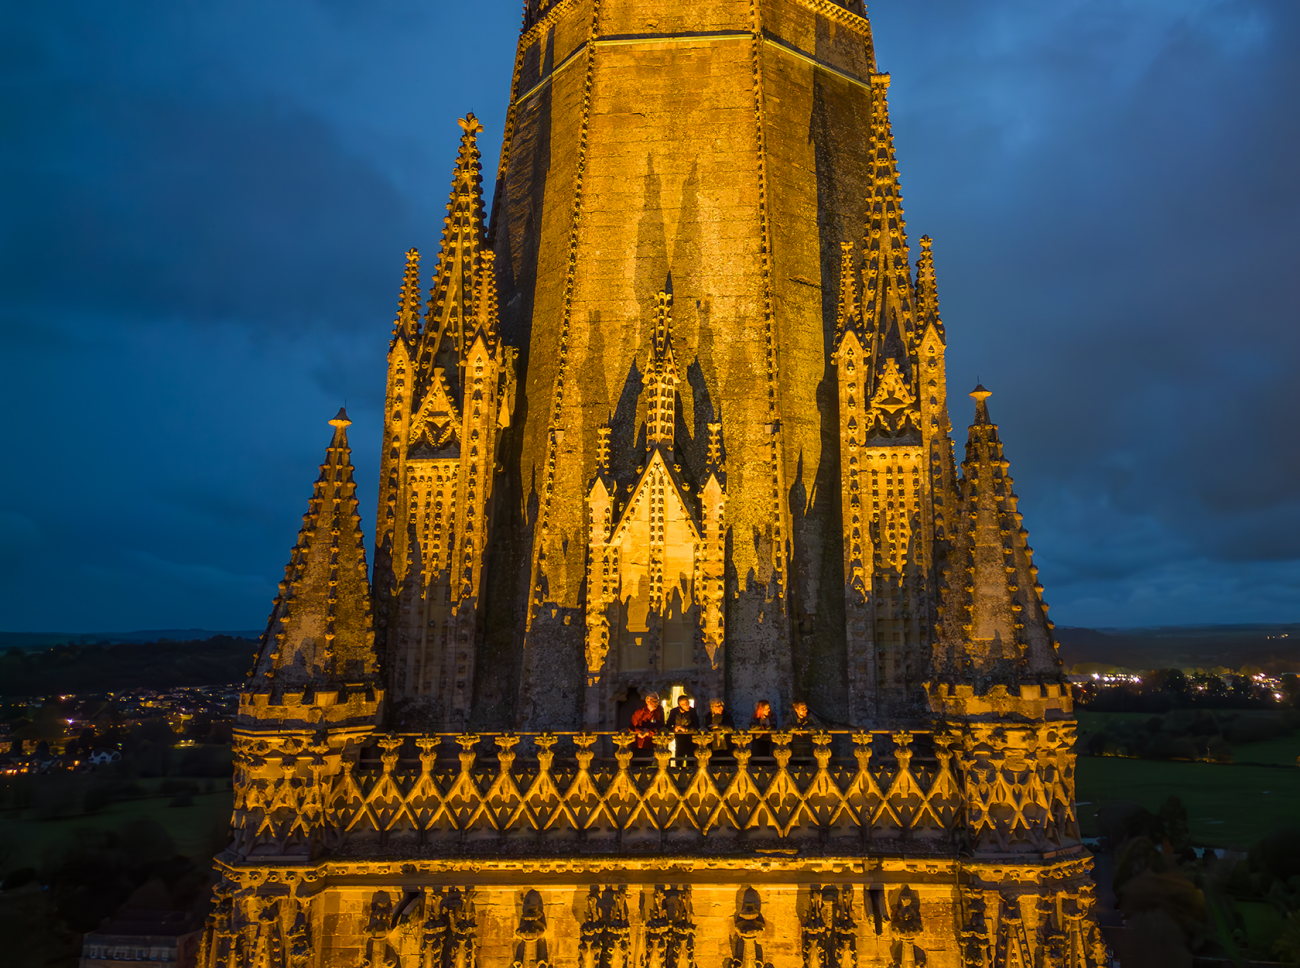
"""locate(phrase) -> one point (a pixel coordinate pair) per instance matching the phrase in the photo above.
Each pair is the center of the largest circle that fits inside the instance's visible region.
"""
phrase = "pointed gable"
(657, 500)
(435, 429)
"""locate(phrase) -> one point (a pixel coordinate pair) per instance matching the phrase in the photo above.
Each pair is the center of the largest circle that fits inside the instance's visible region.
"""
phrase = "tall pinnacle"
(927, 291)
(407, 324)
(661, 376)
(451, 304)
(320, 630)
(886, 278)
(995, 603)
(846, 314)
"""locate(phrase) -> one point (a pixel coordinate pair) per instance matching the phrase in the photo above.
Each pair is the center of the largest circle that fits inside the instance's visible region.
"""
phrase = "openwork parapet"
(549, 792)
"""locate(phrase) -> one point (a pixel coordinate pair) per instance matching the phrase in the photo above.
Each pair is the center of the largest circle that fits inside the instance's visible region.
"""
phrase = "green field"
(193, 829)
(1228, 805)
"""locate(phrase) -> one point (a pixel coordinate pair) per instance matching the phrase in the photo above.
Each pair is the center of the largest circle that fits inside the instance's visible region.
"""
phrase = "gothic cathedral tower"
(724, 152)
(674, 422)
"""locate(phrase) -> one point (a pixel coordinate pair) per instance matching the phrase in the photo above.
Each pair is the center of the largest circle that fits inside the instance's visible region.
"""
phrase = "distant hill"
(40, 663)
(1274, 648)
(43, 640)
(79, 668)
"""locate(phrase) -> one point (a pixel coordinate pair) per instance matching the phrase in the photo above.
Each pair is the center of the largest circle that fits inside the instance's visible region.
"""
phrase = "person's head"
(762, 709)
(652, 700)
(716, 705)
(800, 709)
(683, 703)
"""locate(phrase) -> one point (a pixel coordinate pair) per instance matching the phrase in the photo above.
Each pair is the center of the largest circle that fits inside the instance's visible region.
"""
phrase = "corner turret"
(317, 665)
(315, 694)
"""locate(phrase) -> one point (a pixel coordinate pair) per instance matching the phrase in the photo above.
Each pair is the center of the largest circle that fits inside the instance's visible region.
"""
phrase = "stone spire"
(887, 309)
(847, 315)
(451, 303)
(994, 626)
(927, 292)
(661, 378)
(486, 316)
(320, 631)
(406, 326)
(402, 349)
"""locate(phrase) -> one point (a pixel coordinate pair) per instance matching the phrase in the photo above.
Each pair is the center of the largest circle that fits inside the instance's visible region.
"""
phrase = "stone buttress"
(895, 460)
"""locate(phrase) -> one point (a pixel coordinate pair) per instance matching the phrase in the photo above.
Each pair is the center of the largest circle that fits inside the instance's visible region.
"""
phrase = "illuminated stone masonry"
(677, 421)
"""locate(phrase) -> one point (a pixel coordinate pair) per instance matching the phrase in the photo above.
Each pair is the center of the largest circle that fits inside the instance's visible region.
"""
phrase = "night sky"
(203, 210)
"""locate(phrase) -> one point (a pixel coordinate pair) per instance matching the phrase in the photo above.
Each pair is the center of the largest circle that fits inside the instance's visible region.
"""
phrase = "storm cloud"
(203, 212)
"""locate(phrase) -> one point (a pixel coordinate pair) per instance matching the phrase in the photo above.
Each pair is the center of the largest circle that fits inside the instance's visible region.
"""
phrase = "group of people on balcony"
(650, 719)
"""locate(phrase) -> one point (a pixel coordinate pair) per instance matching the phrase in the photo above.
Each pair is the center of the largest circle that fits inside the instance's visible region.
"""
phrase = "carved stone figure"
(817, 927)
(530, 935)
(381, 914)
(605, 932)
(749, 924)
(618, 932)
(219, 938)
(844, 930)
(299, 941)
(433, 933)
(830, 929)
(463, 941)
(669, 929)
(269, 943)
(974, 931)
(905, 923)
(657, 929)
(681, 944)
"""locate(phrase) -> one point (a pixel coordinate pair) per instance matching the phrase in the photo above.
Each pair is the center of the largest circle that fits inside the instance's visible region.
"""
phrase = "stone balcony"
(1008, 789)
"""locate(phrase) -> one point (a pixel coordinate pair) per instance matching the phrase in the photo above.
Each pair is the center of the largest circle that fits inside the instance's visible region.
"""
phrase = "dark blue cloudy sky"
(203, 209)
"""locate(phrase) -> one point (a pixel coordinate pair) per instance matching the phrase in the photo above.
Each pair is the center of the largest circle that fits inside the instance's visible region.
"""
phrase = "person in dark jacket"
(718, 722)
(647, 721)
(684, 720)
(803, 723)
(762, 720)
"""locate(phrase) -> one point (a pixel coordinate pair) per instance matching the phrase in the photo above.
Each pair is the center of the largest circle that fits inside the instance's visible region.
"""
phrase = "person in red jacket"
(647, 721)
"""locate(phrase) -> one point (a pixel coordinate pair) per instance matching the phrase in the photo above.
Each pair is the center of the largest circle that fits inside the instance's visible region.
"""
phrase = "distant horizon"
(148, 635)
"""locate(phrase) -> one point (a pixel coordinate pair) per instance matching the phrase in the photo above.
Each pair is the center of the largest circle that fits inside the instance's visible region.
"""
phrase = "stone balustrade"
(833, 791)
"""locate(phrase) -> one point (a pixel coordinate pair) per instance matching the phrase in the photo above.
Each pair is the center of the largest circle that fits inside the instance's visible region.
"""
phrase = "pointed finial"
(470, 124)
(341, 419)
(981, 404)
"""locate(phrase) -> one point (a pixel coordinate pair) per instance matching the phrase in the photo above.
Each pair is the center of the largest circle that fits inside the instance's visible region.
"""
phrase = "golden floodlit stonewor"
(674, 422)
